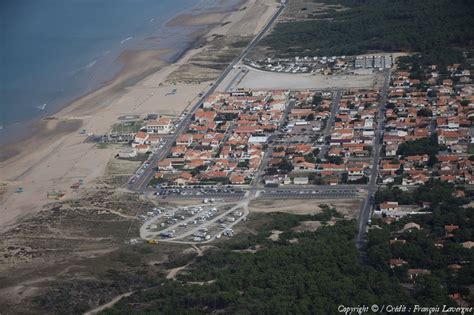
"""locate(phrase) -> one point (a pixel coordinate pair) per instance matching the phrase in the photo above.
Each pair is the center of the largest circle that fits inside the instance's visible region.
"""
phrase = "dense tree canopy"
(313, 275)
(314, 272)
(427, 146)
(429, 27)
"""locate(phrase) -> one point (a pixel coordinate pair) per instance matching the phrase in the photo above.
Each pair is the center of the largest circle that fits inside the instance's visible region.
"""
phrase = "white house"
(140, 138)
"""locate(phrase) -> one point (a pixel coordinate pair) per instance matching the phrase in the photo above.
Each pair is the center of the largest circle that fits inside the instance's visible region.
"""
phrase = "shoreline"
(41, 125)
(206, 18)
(56, 155)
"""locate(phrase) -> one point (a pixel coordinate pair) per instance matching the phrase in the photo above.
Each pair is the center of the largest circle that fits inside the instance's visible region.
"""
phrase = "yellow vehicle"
(152, 241)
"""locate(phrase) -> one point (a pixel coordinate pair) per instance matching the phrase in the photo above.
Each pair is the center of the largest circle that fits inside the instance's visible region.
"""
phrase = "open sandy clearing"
(258, 79)
(310, 226)
(348, 207)
(275, 235)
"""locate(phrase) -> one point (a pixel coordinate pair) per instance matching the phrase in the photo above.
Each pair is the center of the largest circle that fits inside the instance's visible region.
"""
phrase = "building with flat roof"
(258, 139)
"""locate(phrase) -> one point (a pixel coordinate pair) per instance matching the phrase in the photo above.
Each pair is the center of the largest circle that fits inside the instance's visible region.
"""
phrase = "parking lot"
(218, 210)
(194, 224)
(200, 193)
(308, 194)
(208, 195)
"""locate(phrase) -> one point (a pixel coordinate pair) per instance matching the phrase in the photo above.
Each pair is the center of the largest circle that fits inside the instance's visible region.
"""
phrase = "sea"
(53, 51)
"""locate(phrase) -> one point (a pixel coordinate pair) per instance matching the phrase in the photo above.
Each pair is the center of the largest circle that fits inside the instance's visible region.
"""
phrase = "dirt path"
(109, 304)
(173, 272)
(198, 250)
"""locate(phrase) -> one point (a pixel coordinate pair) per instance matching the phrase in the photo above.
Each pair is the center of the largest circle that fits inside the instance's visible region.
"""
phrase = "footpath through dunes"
(57, 157)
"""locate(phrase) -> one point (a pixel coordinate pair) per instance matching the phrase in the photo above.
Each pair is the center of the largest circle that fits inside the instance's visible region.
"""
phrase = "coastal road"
(365, 211)
(140, 183)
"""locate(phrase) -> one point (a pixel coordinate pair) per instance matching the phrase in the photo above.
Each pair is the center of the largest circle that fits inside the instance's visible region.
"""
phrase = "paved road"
(372, 186)
(240, 73)
(226, 196)
(291, 187)
(141, 183)
(257, 180)
(286, 113)
(272, 194)
(336, 100)
(288, 192)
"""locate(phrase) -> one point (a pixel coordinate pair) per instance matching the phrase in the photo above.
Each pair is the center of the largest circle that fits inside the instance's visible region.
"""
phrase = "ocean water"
(52, 51)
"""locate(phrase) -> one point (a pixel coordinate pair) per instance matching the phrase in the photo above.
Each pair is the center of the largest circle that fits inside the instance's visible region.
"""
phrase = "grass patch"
(128, 127)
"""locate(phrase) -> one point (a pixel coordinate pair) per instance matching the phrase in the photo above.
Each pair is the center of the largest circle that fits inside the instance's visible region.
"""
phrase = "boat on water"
(41, 107)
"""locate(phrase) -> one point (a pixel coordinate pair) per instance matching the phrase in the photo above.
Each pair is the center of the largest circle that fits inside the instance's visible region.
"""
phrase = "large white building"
(160, 126)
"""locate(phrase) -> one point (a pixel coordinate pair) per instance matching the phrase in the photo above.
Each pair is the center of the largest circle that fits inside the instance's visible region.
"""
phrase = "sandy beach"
(56, 156)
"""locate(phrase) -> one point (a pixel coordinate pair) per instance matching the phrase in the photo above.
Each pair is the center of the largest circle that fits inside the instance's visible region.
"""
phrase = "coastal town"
(315, 144)
(298, 130)
(295, 131)
(289, 159)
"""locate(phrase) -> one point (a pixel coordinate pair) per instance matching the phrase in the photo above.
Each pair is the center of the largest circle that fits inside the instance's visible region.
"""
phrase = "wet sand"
(197, 20)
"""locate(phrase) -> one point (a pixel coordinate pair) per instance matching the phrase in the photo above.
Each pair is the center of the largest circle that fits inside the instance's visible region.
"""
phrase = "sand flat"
(259, 79)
